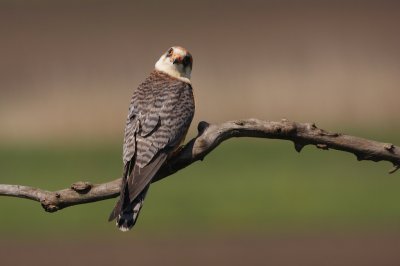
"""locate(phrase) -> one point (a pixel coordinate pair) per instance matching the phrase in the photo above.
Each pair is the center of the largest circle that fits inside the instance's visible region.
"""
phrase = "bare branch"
(79, 193)
(209, 137)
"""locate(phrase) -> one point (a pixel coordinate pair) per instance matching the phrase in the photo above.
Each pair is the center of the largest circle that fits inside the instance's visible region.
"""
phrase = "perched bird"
(160, 113)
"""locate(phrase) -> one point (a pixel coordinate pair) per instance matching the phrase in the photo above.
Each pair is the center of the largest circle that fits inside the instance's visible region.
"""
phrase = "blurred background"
(68, 70)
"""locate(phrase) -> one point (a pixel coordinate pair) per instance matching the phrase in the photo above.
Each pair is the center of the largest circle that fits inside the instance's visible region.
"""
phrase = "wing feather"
(141, 177)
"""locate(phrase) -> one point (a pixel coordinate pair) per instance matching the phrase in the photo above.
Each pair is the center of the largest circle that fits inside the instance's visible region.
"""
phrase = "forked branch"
(209, 137)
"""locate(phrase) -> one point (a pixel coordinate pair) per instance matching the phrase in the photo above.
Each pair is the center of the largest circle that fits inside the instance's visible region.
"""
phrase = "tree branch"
(208, 138)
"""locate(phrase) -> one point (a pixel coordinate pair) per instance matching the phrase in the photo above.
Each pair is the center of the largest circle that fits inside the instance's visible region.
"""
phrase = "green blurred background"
(68, 69)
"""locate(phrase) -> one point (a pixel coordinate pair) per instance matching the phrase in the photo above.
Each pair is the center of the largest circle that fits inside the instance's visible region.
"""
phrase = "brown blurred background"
(68, 68)
(67, 72)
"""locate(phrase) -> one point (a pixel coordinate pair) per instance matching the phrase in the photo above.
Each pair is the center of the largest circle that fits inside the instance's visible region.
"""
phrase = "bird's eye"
(169, 53)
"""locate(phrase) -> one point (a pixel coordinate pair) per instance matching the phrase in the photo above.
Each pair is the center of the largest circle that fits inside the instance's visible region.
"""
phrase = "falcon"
(159, 116)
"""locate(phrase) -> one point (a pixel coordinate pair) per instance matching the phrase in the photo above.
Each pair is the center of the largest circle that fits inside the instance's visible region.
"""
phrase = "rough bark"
(208, 138)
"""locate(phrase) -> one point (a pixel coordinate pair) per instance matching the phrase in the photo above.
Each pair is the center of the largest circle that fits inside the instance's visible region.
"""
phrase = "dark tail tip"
(125, 221)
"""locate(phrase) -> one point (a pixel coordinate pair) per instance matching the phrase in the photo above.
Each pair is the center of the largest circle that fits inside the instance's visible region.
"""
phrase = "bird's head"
(176, 62)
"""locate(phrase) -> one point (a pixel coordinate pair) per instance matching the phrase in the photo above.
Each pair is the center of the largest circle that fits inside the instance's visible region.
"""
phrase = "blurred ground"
(328, 249)
(252, 202)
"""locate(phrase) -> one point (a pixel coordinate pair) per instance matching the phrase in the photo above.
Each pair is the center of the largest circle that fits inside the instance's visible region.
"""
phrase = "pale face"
(176, 62)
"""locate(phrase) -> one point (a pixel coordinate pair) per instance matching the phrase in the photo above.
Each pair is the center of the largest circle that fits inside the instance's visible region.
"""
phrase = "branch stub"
(48, 205)
(389, 147)
(81, 187)
(298, 147)
(202, 126)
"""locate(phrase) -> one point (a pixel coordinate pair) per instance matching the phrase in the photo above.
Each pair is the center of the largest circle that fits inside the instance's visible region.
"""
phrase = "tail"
(129, 215)
(126, 211)
(124, 196)
(135, 185)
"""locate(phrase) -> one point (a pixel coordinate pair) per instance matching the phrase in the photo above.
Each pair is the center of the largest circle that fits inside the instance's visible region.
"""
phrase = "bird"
(160, 113)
